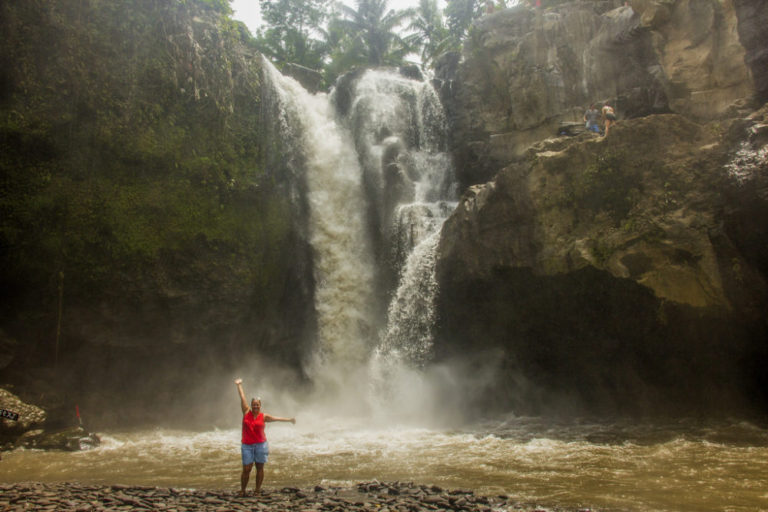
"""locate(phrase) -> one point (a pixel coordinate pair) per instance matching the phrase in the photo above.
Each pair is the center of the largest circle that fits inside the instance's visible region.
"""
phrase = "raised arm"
(243, 402)
(269, 417)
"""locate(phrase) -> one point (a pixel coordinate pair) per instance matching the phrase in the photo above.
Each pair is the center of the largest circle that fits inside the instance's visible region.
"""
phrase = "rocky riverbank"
(365, 496)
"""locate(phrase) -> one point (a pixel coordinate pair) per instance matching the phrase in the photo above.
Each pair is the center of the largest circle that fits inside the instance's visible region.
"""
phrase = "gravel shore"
(365, 496)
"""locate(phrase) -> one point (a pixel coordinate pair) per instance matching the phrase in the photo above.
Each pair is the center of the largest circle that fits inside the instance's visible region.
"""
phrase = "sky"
(247, 11)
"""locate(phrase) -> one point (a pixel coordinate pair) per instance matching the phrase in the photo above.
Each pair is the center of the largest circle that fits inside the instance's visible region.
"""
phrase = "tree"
(429, 33)
(367, 33)
(459, 16)
(292, 31)
(219, 5)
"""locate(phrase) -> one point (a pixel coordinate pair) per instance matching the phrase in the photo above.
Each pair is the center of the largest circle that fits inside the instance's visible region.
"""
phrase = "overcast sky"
(248, 10)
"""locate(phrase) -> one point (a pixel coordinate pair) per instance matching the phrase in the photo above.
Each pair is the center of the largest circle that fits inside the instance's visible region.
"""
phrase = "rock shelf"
(365, 496)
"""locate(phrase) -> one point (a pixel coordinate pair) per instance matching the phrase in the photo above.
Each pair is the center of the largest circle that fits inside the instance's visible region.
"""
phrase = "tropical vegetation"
(334, 37)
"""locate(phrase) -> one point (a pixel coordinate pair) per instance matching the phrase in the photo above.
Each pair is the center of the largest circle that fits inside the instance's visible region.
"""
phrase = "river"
(677, 466)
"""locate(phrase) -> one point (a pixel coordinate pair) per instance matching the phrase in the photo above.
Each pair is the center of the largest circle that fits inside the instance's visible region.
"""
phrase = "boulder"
(527, 71)
(603, 274)
(71, 439)
(697, 45)
(752, 20)
(30, 417)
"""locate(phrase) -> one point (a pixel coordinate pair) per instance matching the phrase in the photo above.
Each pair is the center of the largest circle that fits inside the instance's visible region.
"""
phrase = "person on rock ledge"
(254, 448)
(609, 117)
(591, 117)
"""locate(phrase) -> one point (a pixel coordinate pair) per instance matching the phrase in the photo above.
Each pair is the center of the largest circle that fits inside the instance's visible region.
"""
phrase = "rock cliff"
(148, 235)
(619, 273)
(526, 71)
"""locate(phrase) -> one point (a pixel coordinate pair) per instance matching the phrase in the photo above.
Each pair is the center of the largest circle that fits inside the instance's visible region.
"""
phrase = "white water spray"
(404, 128)
(344, 269)
(399, 128)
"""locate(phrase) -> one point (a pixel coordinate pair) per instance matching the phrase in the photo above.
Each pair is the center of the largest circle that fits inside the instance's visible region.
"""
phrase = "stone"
(310, 79)
(525, 75)
(752, 18)
(30, 417)
(701, 56)
(70, 439)
(633, 228)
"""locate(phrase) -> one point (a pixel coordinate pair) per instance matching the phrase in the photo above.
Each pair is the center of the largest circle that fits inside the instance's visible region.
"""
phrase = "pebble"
(363, 497)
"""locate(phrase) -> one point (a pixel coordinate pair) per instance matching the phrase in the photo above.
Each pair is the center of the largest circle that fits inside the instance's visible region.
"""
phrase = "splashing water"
(399, 128)
(411, 313)
(746, 162)
(685, 466)
(344, 269)
(408, 114)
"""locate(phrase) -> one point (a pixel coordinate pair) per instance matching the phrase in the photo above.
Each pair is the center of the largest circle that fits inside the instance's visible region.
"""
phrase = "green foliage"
(459, 16)
(221, 6)
(601, 252)
(291, 31)
(119, 144)
(610, 185)
(366, 35)
(428, 31)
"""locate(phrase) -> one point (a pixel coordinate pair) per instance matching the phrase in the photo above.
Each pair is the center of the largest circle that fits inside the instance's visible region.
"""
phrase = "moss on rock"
(132, 173)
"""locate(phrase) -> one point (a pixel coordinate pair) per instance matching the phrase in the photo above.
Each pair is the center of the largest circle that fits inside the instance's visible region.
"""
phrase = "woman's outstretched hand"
(238, 381)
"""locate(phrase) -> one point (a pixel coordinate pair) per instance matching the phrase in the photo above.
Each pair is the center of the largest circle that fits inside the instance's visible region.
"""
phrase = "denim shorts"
(251, 453)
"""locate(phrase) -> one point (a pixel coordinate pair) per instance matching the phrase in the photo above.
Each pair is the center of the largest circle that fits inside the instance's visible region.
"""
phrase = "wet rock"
(753, 17)
(687, 33)
(71, 439)
(311, 79)
(652, 229)
(30, 417)
(525, 74)
(123, 497)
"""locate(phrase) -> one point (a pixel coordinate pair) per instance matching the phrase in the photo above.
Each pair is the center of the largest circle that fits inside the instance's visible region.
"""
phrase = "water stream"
(383, 164)
(682, 466)
(343, 264)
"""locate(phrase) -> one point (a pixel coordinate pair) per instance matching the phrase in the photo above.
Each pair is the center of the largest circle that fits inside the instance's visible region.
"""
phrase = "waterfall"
(380, 198)
(401, 132)
(411, 316)
(343, 262)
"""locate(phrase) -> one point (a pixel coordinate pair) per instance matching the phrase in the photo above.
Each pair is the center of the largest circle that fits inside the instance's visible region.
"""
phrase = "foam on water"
(632, 467)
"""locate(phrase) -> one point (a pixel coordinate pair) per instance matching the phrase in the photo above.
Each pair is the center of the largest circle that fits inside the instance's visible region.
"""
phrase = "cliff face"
(612, 274)
(146, 234)
(527, 71)
(751, 26)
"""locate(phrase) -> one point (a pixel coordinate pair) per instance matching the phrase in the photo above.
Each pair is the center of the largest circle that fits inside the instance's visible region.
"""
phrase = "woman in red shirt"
(254, 447)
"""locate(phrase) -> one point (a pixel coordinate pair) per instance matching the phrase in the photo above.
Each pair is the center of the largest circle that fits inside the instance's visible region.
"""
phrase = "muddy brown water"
(682, 466)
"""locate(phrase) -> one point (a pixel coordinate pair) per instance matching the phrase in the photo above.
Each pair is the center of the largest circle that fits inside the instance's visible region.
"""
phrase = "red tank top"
(253, 428)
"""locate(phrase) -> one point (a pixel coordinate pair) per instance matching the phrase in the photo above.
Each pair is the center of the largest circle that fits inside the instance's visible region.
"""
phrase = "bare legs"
(246, 475)
(259, 476)
(244, 478)
(608, 124)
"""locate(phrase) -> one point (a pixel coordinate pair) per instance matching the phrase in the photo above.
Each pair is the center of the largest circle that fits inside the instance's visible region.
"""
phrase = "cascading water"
(400, 133)
(410, 316)
(344, 268)
(401, 137)
(388, 187)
